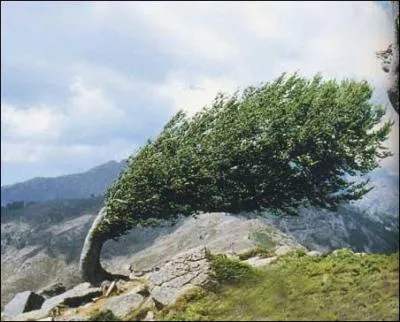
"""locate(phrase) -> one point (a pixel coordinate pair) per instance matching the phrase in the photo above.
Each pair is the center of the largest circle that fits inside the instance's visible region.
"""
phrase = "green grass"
(106, 315)
(341, 286)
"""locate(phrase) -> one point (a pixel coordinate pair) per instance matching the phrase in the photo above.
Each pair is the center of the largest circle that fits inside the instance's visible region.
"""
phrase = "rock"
(71, 318)
(175, 277)
(314, 253)
(123, 304)
(52, 290)
(76, 296)
(23, 302)
(149, 316)
(259, 262)
(29, 316)
(49, 318)
(282, 250)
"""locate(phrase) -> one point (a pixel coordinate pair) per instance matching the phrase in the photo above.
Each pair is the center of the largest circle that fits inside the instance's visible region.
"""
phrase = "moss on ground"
(340, 286)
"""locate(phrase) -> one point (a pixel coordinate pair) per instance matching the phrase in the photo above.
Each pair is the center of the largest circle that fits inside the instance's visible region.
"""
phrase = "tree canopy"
(283, 144)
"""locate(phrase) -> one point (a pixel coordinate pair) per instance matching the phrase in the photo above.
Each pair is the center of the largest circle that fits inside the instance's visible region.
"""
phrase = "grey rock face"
(52, 290)
(80, 294)
(123, 304)
(175, 277)
(23, 302)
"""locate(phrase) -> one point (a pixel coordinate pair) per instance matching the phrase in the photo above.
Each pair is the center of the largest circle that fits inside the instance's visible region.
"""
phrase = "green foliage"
(227, 270)
(340, 286)
(106, 315)
(277, 146)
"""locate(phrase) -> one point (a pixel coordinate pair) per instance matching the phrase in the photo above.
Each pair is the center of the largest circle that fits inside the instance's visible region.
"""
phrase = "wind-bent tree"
(273, 147)
(390, 60)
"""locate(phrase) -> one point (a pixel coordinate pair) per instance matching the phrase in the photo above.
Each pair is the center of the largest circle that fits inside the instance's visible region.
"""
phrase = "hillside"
(80, 185)
(339, 287)
(54, 231)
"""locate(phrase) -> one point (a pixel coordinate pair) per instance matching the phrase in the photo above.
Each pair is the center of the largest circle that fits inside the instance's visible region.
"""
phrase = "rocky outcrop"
(175, 277)
(23, 302)
(80, 294)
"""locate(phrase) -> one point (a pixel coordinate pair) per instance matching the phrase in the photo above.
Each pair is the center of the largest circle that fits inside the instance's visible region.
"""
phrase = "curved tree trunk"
(89, 265)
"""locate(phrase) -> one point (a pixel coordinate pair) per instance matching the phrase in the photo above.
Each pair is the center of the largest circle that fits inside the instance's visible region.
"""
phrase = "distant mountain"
(73, 186)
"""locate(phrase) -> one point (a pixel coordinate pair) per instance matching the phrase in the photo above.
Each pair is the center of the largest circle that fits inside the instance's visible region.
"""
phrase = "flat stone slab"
(29, 316)
(260, 262)
(23, 302)
(80, 294)
(123, 304)
(176, 276)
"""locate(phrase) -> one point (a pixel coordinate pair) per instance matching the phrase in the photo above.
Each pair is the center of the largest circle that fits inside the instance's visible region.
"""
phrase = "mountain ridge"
(71, 186)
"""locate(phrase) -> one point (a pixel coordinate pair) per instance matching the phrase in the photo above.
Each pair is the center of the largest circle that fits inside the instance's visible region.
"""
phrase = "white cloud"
(34, 122)
(217, 46)
(30, 134)
(91, 102)
(33, 152)
(192, 95)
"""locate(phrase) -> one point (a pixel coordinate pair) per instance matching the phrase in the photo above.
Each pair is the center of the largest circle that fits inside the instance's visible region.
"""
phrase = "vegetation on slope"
(340, 286)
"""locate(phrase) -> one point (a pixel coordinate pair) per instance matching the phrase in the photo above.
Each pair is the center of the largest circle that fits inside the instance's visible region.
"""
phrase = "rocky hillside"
(80, 185)
(280, 283)
(44, 240)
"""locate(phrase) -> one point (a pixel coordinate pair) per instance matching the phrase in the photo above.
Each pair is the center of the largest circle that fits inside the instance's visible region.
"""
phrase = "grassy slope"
(341, 286)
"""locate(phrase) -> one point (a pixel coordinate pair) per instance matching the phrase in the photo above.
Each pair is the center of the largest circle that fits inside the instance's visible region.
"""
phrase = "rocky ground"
(143, 295)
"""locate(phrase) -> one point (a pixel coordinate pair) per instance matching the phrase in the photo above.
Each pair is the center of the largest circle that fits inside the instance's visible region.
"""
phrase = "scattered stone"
(259, 262)
(52, 290)
(314, 253)
(23, 302)
(360, 254)
(123, 304)
(80, 294)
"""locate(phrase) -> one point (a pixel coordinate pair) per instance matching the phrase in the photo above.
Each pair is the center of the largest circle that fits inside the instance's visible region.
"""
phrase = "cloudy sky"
(84, 83)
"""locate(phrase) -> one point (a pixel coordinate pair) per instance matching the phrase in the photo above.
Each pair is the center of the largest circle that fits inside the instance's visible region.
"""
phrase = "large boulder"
(23, 302)
(80, 294)
(28, 316)
(175, 277)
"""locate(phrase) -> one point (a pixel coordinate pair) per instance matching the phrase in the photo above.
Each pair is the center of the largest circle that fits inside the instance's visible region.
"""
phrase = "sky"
(84, 83)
